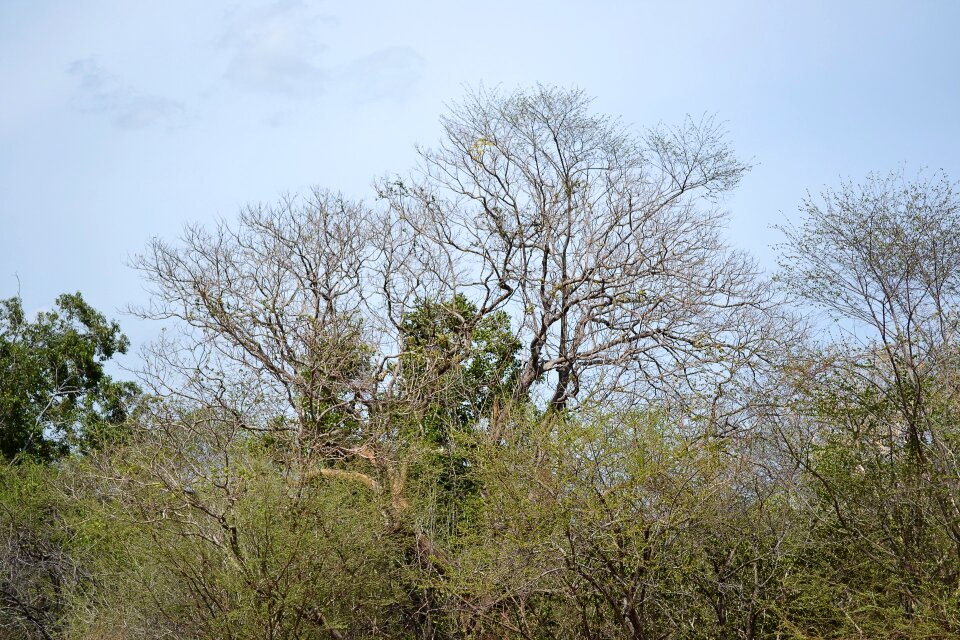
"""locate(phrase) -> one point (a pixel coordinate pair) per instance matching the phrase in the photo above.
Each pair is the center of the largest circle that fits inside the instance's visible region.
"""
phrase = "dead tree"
(605, 247)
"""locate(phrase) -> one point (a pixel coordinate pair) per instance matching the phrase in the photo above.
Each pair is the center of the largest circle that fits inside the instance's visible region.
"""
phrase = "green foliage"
(470, 360)
(46, 570)
(213, 538)
(337, 357)
(612, 526)
(54, 393)
(883, 558)
(457, 365)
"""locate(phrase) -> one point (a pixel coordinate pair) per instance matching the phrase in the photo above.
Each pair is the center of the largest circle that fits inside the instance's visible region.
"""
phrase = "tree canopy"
(54, 392)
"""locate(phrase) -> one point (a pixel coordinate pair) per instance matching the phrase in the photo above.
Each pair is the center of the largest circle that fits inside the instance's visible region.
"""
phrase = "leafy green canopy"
(54, 394)
(457, 366)
(471, 360)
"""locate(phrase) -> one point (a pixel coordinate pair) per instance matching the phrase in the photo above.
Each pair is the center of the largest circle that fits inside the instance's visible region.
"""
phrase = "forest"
(528, 389)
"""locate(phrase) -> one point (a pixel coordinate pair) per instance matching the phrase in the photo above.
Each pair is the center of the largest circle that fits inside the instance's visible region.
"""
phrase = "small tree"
(54, 392)
(461, 362)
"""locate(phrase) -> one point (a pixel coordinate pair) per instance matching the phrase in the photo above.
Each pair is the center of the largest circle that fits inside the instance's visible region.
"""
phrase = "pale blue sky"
(124, 120)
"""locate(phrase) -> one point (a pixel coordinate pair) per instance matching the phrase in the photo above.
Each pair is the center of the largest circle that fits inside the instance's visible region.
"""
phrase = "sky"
(121, 121)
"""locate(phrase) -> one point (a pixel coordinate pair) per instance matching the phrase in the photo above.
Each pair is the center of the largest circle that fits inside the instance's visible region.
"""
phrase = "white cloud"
(389, 72)
(277, 49)
(127, 107)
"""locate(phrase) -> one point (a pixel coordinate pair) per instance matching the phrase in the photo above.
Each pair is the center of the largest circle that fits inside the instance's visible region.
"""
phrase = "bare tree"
(882, 258)
(276, 300)
(277, 333)
(606, 248)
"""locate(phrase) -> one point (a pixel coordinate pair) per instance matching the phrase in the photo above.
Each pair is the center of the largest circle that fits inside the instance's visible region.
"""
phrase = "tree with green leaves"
(470, 360)
(55, 395)
(456, 367)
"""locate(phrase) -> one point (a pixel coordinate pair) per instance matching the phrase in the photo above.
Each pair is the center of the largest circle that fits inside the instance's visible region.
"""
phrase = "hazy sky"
(124, 120)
